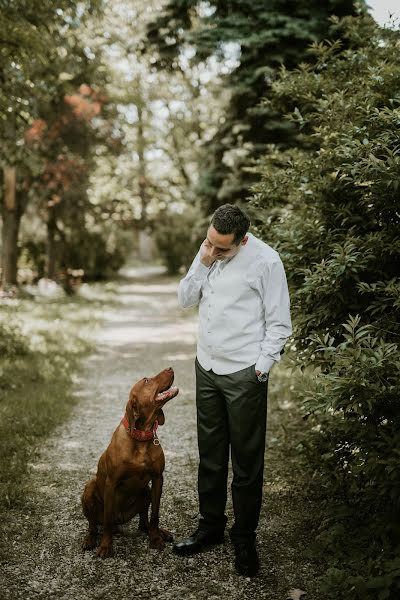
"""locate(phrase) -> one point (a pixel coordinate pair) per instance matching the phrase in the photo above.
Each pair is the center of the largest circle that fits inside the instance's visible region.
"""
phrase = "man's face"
(221, 245)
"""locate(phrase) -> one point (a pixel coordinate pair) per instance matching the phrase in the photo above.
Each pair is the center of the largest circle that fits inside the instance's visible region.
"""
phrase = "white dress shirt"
(244, 308)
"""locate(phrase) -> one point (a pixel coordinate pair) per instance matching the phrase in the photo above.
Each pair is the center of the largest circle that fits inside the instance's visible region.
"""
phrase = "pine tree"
(260, 35)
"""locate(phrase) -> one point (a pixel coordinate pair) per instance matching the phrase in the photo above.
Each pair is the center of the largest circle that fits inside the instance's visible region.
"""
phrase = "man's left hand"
(262, 377)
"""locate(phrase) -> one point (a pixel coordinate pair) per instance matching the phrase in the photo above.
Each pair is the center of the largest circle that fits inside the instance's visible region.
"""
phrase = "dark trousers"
(231, 413)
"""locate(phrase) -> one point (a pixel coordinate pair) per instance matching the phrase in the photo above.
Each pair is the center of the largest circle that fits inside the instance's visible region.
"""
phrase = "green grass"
(42, 342)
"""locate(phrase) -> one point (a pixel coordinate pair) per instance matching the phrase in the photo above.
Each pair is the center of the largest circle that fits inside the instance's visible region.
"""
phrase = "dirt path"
(144, 332)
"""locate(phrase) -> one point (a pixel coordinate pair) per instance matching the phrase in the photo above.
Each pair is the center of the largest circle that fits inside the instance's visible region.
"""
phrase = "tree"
(65, 142)
(251, 39)
(33, 44)
(332, 211)
(163, 119)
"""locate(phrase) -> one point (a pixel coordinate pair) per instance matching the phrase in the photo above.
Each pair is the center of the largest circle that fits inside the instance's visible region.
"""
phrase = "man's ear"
(161, 417)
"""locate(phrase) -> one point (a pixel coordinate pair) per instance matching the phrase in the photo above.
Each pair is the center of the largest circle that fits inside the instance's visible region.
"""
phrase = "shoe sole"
(245, 573)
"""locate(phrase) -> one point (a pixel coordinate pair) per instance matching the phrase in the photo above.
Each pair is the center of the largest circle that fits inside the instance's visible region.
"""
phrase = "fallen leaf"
(295, 594)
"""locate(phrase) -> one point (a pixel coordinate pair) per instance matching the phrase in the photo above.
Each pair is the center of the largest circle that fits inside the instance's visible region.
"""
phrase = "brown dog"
(133, 458)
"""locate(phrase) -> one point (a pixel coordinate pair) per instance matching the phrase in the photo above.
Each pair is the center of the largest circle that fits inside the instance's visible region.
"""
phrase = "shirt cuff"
(264, 364)
(201, 271)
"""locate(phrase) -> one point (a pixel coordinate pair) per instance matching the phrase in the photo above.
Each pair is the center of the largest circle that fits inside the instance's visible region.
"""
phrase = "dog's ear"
(132, 412)
(161, 418)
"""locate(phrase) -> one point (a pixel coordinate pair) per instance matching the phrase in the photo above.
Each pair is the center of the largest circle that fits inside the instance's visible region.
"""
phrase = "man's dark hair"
(229, 218)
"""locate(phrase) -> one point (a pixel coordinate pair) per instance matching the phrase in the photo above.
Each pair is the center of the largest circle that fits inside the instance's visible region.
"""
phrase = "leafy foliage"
(38, 38)
(54, 114)
(163, 117)
(332, 211)
(99, 253)
(175, 239)
(12, 342)
(66, 142)
(253, 38)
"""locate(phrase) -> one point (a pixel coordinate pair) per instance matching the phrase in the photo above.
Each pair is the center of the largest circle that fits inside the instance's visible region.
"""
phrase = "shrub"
(332, 211)
(12, 342)
(178, 237)
(98, 253)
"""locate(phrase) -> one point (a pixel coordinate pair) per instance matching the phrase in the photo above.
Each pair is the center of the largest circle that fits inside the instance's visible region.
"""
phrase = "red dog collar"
(138, 434)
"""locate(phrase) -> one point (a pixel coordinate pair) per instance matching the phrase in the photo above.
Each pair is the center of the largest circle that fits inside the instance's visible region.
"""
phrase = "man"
(239, 283)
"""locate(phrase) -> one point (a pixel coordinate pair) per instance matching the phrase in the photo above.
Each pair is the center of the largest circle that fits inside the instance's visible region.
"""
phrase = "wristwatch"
(262, 377)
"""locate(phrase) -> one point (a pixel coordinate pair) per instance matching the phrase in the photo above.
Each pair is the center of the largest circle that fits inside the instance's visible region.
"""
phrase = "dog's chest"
(139, 466)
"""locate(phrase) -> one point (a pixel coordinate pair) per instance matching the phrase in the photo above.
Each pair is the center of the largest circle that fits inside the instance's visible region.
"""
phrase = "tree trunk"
(11, 215)
(141, 148)
(51, 245)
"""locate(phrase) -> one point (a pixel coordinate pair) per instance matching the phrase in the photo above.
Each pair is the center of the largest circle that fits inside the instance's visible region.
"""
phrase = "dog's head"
(147, 397)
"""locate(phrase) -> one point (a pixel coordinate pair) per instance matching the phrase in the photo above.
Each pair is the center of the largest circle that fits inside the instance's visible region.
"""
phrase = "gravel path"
(144, 332)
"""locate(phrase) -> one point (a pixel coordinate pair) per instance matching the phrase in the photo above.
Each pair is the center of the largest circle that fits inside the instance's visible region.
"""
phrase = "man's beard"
(227, 256)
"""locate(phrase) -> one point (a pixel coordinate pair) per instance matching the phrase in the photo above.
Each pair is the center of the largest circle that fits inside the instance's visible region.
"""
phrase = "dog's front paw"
(105, 550)
(89, 542)
(166, 535)
(157, 542)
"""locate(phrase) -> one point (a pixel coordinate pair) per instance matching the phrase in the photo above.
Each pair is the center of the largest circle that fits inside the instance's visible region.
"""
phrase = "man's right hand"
(207, 254)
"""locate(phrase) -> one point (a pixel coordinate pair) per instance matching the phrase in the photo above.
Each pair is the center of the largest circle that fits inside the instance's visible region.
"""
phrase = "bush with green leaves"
(12, 341)
(14, 350)
(100, 253)
(331, 207)
(178, 237)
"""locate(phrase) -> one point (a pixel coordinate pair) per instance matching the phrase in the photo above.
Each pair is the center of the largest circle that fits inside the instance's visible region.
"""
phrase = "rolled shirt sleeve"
(272, 286)
(189, 289)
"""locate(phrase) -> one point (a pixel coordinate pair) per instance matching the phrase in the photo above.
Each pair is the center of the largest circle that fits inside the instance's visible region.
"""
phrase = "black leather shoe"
(198, 542)
(246, 559)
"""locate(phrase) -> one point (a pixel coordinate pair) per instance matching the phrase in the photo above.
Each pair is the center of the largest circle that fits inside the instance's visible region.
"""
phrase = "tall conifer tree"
(263, 35)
